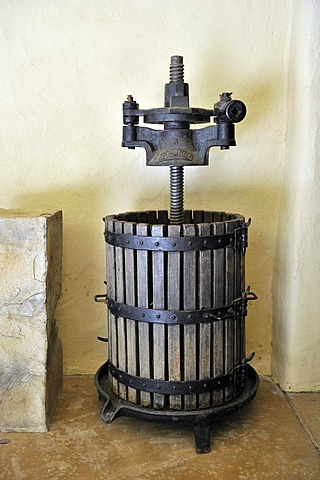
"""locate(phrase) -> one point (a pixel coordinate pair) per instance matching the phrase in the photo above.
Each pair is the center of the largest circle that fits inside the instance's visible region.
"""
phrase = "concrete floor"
(276, 437)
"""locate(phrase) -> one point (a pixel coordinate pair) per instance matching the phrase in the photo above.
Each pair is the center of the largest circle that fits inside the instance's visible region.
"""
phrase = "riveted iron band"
(177, 387)
(172, 244)
(175, 317)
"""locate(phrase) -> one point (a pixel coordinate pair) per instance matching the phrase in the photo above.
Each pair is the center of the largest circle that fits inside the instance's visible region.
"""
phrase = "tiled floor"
(266, 440)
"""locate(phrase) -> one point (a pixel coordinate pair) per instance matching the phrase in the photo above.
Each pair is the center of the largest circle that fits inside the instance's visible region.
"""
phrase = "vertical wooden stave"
(158, 284)
(151, 217)
(189, 303)
(120, 292)
(173, 295)
(163, 217)
(208, 217)
(130, 297)
(218, 281)
(229, 297)
(237, 294)
(109, 282)
(205, 280)
(143, 301)
(198, 216)
(187, 216)
(242, 332)
(111, 285)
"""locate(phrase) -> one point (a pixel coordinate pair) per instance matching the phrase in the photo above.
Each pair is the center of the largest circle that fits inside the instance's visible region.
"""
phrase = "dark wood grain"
(143, 301)
(158, 283)
(174, 289)
(189, 303)
(130, 296)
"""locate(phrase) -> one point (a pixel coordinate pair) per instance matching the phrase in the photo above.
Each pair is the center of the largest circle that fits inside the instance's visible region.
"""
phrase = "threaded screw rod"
(176, 173)
(176, 195)
(176, 69)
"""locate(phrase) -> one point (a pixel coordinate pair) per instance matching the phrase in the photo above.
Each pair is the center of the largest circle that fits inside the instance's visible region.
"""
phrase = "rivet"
(219, 241)
(190, 388)
(128, 241)
(174, 317)
(157, 244)
(144, 385)
(158, 316)
(130, 313)
(143, 315)
(174, 244)
(205, 242)
(205, 385)
(189, 316)
(158, 387)
(205, 315)
(218, 382)
(141, 242)
(174, 387)
(120, 376)
(119, 309)
(118, 239)
(130, 381)
(190, 243)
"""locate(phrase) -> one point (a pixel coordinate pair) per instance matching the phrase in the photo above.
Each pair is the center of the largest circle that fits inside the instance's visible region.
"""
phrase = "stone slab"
(30, 270)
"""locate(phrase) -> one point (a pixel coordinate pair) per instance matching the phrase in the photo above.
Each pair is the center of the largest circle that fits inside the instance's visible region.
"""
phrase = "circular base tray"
(115, 406)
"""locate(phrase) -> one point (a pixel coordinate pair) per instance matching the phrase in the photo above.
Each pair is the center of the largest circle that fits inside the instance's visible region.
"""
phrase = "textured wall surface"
(30, 262)
(66, 68)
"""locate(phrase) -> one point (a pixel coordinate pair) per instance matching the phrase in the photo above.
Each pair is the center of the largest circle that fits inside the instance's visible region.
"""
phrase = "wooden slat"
(229, 297)
(130, 295)
(189, 303)
(158, 282)
(174, 349)
(205, 280)
(163, 217)
(121, 336)
(111, 285)
(142, 217)
(152, 216)
(187, 216)
(237, 294)
(242, 321)
(198, 216)
(207, 217)
(143, 328)
(218, 217)
(218, 267)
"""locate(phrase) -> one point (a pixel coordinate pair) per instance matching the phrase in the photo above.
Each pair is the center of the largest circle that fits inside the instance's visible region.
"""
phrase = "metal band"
(171, 316)
(172, 244)
(176, 387)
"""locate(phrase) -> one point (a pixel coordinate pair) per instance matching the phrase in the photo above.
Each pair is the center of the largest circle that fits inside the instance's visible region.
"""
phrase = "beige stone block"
(30, 270)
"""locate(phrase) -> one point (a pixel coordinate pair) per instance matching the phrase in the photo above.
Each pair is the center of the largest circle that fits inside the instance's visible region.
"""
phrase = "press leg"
(202, 438)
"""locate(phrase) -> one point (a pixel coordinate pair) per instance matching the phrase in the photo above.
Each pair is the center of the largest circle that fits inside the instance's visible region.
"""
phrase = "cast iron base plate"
(201, 419)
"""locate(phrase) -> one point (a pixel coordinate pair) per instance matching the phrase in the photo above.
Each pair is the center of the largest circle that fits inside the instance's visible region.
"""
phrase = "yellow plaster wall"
(296, 325)
(65, 69)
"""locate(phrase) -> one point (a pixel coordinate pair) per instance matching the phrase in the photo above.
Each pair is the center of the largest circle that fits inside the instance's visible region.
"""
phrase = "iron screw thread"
(176, 69)
(176, 195)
